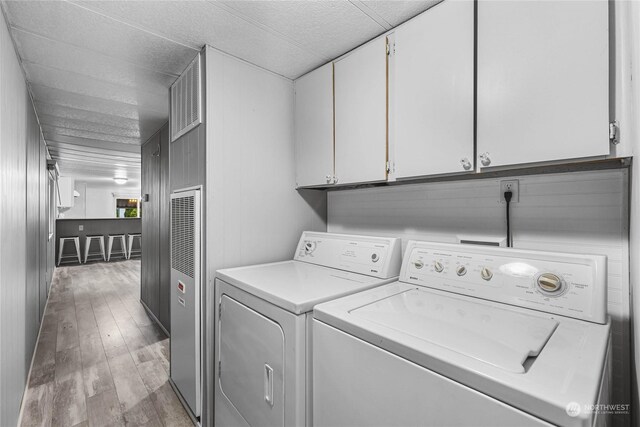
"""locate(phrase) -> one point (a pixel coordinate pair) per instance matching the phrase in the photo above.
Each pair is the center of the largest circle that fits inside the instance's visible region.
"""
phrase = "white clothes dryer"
(263, 325)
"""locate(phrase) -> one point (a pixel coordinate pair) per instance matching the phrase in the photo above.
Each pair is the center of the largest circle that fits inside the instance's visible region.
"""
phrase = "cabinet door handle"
(466, 164)
(485, 159)
(268, 384)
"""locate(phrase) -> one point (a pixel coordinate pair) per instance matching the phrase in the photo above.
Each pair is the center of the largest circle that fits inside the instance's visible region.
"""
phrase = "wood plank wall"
(156, 268)
(23, 277)
(581, 212)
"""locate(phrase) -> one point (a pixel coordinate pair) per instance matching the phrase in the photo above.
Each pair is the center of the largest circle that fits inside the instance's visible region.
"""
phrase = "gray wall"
(23, 230)
(156, 271)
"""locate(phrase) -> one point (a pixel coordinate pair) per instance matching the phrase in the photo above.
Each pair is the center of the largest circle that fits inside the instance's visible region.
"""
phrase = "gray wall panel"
(20, 230)
(32, 216)
(165, 252)
(155, 274)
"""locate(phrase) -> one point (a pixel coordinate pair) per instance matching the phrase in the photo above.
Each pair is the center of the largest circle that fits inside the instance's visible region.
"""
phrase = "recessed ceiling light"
(120, 180)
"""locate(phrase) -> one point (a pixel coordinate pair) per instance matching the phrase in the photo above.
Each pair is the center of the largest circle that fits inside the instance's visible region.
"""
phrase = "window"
(128, 208)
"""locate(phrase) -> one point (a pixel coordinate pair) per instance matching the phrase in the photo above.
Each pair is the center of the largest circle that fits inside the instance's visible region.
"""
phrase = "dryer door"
(251, 363)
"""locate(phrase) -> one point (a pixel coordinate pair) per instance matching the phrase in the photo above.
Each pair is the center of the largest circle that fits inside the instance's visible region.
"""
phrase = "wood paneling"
(155, 275)
(21, 231)
(164, 232)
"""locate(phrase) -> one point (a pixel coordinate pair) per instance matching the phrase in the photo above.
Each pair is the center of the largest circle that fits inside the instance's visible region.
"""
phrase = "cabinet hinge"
(613, 132)
(388, 167)
(219, 368)
(219, 311)
(388, 48)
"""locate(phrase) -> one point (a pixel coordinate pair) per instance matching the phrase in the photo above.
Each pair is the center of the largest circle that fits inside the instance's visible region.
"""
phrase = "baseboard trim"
(155, 319)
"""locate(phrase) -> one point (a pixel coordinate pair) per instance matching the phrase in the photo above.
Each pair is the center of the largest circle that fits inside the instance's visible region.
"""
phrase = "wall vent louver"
(183, 249)
(186, 105)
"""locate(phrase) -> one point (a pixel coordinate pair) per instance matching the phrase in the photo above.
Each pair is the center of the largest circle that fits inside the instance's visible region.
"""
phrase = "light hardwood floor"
(100, 359)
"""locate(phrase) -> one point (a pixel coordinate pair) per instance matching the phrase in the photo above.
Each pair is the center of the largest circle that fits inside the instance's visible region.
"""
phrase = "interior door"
(314, 127)
(361, 114)
(543, 79)
(251, 359)
(433, 91)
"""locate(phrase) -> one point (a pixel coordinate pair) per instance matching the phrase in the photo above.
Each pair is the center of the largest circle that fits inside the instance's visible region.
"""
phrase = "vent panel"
(186, 101)
(183, 250)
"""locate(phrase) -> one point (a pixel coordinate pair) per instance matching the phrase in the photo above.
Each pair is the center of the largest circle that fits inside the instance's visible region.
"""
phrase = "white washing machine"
(263, 326)
(469, 336)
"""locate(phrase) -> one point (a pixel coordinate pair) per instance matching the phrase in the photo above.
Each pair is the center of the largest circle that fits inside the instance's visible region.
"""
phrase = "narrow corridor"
(100, 359)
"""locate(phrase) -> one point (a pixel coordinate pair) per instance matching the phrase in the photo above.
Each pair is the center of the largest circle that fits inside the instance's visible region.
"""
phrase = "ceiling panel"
(77, 26)
(65, 57)
(340, 23)
(88, 86)
(46, 119)
(55, 130)
(196, 23)
(54, 139)
(395, 12)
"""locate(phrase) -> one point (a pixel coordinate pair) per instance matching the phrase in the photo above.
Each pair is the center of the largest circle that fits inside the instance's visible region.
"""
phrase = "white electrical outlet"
(80, 227)
(510, 185)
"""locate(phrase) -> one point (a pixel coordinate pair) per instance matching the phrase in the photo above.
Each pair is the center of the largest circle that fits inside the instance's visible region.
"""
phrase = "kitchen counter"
(66, 227)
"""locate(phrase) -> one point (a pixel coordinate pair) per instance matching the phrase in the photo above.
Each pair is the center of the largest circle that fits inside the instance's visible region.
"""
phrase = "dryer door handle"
(268, 384)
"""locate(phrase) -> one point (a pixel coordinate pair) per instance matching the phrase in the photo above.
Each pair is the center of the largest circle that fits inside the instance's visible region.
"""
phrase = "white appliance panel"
(499, 337)
(251, 363)
(560, 283)
(358, 384)
(372, 256)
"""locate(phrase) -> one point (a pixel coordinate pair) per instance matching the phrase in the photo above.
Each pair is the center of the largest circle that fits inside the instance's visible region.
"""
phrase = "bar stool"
(132, 238)
(123, 246)
(100, 239)
(76, 240)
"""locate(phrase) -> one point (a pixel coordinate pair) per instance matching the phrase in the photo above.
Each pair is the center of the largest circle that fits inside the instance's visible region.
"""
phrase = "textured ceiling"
(100, 71)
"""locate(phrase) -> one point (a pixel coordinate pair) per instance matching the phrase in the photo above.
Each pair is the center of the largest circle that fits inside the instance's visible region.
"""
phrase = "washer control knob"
(375, 257)
(309, 246)
(418, 264)
(486, 274)
(550, 283)
(438, 266)
(461, 270)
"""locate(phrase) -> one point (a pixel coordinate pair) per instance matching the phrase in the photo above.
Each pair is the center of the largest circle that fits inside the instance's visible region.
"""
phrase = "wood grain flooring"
(100, 359)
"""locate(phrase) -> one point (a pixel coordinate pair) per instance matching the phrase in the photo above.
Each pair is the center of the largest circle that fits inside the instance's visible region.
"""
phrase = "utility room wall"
(582, 212)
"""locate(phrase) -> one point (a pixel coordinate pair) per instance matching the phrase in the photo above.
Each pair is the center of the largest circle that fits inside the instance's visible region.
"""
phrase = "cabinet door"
(433, 92)
(314, 127)
(361, 114)
(542, 81)
(66, 187)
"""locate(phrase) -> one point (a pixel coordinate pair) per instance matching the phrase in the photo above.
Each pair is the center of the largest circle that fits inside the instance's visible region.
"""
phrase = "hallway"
(100, 359)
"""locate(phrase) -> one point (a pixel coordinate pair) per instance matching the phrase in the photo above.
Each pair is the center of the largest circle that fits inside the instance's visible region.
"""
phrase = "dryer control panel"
(572, 285)
(374, 256)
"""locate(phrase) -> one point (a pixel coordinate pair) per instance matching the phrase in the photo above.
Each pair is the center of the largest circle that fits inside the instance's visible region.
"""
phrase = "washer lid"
(499, 337)
(297, 286)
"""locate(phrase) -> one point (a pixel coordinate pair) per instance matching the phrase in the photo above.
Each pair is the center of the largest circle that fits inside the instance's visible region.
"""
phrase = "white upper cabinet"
(314, 127)
(65, 190)
(361, 114)
(542, 81)
(432, 92)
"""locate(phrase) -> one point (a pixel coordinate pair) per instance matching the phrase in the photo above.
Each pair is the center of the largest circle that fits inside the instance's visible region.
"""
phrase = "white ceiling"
(100, 71)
